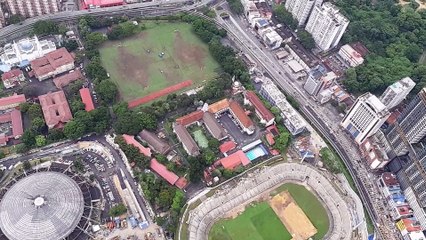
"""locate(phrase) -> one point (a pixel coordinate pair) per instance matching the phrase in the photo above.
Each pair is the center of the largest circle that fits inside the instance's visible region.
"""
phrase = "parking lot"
(235, 131)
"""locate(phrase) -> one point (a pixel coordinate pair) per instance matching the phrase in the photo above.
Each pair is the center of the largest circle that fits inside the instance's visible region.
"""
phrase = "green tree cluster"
(97, 121)
(330, 160)
(117, 210)
(306, 39)
(236, 6)
(395, 37)
(285, 17)
(132, 122)
(46, 27)
(133, 154)
(122, 30)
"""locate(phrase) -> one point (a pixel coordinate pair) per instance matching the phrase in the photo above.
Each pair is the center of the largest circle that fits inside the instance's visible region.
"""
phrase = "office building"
(318, 80)
(292, 120)
(365, 117)
(327, 25)
(32, 8)
(301, 9)
(20, 53)
(397, 92)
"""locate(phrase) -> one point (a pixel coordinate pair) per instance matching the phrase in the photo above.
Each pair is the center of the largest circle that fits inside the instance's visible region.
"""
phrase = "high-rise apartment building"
(327, 25)
(301, 9)
(32, 8)
(410, 127)
(397, 92)
(365, 117)
(319, 79)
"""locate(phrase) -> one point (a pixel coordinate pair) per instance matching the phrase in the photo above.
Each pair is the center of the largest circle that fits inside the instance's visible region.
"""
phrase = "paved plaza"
(202, 218)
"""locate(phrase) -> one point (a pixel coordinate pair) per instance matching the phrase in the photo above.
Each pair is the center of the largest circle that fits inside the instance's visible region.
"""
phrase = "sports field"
(163, 55)
(260, 222)
(201, 139)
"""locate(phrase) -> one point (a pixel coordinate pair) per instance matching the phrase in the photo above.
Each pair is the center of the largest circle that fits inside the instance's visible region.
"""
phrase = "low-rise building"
(234, 160)
(374, 153)
(325, 96)
(56, 110)
(167, 175)
(12, 101)
(154, 142)
(292, 119)
(86, 98)
(350, 56)
(12, 78)
(319, 79)
(270, 37)
(408, 225)
(14, 129)
(65, 79)
(186, 139)
(132, 141)
(213, 126)
(265, 116)
(89, 4)
(241, 117)
(54, 63)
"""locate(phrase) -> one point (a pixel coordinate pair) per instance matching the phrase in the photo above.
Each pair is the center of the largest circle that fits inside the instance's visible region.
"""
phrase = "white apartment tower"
(300, 9)
(327, 25)
(32, 8)
(365, 117)
(397, 92)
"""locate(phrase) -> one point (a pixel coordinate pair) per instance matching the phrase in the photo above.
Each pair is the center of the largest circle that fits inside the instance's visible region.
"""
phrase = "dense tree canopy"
(306, 39)
(285, 17)
(117, 210)
(108, 91)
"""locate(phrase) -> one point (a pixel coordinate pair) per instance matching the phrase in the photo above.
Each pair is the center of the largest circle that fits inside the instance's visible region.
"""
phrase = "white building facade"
(397, 92)
(318, 80)
(365, 117)
(26, 49)
(327, 25)
(301, 9)
(350, 56)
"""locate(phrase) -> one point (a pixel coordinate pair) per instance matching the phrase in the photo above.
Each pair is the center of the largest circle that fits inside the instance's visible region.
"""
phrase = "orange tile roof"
(161, 170)
(181, 183)
(66, 79)
(132, 141)
(240, 114)
(55, 108)
(86, 98)
(259, 106)
(11, 74)
(219, 106)
(190, 118)
(14, 99)
(234, 160)
(51, 61)
(270, 139)
(227, 146)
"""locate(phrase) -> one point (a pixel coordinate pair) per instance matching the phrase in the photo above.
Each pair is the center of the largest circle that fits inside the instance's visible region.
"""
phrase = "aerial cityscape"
(213, 120)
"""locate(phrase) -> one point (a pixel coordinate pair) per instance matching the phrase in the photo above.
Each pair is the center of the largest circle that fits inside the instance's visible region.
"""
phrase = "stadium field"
(162, 55)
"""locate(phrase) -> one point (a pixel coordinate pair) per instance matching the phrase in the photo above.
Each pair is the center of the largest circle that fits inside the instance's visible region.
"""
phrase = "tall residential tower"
(397, 92)
(301, 9)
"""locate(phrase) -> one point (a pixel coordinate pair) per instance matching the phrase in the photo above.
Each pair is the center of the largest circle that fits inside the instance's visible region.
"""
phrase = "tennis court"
(201, 139)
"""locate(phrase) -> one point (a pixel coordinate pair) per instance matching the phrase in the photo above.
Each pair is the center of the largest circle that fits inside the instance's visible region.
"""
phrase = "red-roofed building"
(234, 160)
(52, 64)
(408, 225)
(265, 116)
(67, 78)
(132, 141)
(161, 170)
(392, 118)
(240, 116)
(190, 118)
(227, 146)
(270, 139)
(86, 4)
(16, 128)
(86, 98)
(181, 183)
(403, 211)
(55, 108)
(12, 78)
(12, 101)
(372, 150)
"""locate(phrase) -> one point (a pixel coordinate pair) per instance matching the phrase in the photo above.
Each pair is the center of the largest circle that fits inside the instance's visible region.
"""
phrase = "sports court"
(200, 138)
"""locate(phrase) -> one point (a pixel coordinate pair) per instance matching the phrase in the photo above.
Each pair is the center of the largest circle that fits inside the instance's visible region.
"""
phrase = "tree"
(236, 6)
(24, 107)
(208, 156)
(77, 105)
(108, 91)
(282, 140)
(40, 140)
(78, 165)
(227, 173)
(214, 144)
(27, 165)
(16, 18)
(330, 160)
(55, 135)
(165, 198)
(117, 210)
(306, 39)
(45, 27)
(2, 155)
(74, 129)
(71, 45)
(28, 138)
(178, 201)
(34, 111)
(285, 17)
(21, 148)
(37, 124)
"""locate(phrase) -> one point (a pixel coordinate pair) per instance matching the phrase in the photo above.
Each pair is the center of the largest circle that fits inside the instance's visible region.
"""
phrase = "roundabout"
(264, 180)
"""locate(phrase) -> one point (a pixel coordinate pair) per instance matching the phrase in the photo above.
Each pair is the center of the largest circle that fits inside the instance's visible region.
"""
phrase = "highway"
(319, 116)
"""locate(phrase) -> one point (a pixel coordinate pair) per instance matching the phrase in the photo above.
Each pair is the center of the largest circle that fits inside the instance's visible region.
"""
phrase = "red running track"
(158, 94)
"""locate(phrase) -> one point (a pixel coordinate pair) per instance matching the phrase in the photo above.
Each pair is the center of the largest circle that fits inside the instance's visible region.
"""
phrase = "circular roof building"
(47, 204)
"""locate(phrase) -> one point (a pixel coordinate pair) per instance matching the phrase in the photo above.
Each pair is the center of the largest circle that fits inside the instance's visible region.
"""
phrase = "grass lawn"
(200, 138)
(258, 222)
(138, 66)
(309, 203)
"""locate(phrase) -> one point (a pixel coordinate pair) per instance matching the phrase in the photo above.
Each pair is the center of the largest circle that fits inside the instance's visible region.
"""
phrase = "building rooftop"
(67, 78)
(190, 118)
(239, 113)
(410, 224)
(15, 118)
(132, 141)
(86, 98)
(219, 106)
(155, 142)
(181, 183)
(259, 106)
(161, 170)
(389, 179)
(295, 66)
(14, 99)
(186, 139)
(11, 74)
(51, 61)
(100, 3)
(227, 146)
(43, 205)
(360, 48)
(234, 160)
(55, 108)
(214, 127)
(354, 54)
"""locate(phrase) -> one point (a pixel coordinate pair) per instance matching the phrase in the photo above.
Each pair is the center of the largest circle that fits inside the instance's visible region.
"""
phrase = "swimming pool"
(256, 152)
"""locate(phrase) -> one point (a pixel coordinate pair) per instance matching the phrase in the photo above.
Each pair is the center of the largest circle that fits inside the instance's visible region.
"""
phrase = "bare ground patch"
(188, 53)
(133, 67)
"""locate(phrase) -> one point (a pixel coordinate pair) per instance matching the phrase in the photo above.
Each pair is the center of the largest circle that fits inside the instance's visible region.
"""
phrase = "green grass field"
(138, 69)
(259, 222)
(200, 138)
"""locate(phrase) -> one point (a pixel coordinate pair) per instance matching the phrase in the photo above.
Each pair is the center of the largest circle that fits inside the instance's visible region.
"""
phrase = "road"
(322, 119)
